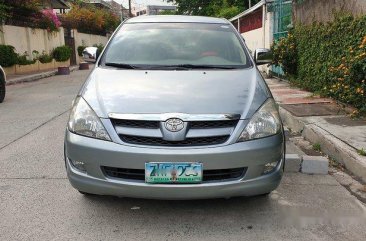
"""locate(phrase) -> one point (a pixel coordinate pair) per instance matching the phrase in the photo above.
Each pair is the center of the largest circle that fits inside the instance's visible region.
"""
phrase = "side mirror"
(262, 56)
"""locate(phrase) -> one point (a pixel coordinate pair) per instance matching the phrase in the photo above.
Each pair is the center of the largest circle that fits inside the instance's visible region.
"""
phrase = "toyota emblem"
(174, 124)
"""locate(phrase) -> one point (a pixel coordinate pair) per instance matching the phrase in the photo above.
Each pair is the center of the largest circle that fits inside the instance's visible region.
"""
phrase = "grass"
(317, 147)
(362, 152)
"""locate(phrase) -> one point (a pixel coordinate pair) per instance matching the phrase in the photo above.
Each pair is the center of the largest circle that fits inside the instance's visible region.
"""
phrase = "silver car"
(175, 109)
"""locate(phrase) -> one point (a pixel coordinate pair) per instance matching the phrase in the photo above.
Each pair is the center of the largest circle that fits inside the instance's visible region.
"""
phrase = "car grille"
(155, 141)
(136, 123)
(192, 124)
(208, 175)
(150, 132)
(212, 124)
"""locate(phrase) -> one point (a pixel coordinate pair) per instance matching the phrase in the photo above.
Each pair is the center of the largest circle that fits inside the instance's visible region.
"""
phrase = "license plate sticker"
(166, 172)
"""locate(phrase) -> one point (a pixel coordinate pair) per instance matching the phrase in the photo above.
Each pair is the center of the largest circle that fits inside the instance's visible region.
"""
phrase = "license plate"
(165, 172)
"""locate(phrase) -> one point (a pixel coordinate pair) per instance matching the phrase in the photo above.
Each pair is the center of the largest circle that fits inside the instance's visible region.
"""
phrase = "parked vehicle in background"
(175, 109)
(2, 84)
(90, 54)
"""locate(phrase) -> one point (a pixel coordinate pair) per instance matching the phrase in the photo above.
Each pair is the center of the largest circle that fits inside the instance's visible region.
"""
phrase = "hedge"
(8, 57)
(80, 50)
(62, 53)
(328, 59)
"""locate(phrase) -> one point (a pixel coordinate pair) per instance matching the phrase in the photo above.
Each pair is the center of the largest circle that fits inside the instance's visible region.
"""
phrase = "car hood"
(240, 91)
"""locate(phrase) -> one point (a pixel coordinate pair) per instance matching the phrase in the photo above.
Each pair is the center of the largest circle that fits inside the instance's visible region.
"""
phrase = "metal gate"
(282, 19)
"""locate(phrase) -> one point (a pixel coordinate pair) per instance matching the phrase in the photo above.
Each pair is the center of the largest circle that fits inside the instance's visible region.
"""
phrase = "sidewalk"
(322, 121)
(14, 79)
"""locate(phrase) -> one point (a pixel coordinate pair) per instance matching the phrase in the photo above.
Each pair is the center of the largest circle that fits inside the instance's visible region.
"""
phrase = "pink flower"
(48, 13)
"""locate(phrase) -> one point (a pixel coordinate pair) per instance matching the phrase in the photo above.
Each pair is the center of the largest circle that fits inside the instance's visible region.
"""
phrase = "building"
(99, 4)
(58, 6)
(119, 10)
(264, 23)
(254, 25)
(155, 10)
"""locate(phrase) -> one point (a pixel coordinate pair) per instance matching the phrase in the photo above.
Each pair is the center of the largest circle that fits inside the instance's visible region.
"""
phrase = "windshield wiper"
(121, 65)
(195, 66)
(190, 66)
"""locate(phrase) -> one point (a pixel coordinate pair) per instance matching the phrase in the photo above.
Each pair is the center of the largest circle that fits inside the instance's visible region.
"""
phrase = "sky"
(140, 4)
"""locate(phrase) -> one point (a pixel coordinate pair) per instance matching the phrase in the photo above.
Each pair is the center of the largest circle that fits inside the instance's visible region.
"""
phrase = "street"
(38, 203)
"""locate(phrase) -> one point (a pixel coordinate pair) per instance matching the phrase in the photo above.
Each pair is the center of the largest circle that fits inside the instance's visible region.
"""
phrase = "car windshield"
(176, 45)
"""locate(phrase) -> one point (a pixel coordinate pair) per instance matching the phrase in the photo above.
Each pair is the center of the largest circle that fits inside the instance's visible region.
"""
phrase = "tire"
(2, 90)
(86, 193)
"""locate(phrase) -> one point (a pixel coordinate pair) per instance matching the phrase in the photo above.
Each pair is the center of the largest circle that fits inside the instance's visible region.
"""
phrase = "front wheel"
(2, 90)
(86, 193)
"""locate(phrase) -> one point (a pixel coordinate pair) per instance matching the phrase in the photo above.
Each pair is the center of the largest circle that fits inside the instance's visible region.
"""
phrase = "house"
(99, 4)
(155, 9)
(118, 9)
(254, 25)
(59, 6)
(264, 23)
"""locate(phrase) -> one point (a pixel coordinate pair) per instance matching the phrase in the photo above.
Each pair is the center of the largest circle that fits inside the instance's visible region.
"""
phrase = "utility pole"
(250, 4)
(129, 9)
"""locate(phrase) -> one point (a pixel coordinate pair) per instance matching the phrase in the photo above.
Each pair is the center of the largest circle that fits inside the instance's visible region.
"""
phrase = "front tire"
(2, 90)
(86, 193)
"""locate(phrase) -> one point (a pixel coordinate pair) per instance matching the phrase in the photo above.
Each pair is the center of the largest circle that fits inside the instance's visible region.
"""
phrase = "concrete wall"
(83, 39)
(308, 11)
(28, 39)
(89, 39)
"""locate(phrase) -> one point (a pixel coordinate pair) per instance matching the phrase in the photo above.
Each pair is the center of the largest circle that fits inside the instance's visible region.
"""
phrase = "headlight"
(85, 122)
(265, 122)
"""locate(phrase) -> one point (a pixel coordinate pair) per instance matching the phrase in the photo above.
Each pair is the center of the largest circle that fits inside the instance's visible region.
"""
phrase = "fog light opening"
(269, 167)
(78, 165)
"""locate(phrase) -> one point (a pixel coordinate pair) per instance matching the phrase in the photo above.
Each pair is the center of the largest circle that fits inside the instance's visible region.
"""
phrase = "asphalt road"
(38, 203)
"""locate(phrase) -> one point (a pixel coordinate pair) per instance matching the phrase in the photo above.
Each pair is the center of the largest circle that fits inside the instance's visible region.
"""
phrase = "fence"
(309, 11)
(27, 39)
(282, 19)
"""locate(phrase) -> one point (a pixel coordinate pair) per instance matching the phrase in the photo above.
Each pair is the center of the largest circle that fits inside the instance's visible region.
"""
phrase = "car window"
(161, 44)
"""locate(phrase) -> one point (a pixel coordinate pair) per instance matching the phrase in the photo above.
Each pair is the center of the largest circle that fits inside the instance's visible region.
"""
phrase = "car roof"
(176, 19)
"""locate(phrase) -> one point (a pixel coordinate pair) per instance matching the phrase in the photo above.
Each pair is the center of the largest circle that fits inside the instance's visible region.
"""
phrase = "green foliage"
(4, 11)
(362, 152)
(8, 57)
(28, 13)
(329, 59)
(62, 53)
(100, 48)
(89, 19)
(317, 147)
(228, 12)
(216, 8)
(23, 10)
(285, 54)
(23, 59)
(81, 49)
(45, 58)
(167, 12)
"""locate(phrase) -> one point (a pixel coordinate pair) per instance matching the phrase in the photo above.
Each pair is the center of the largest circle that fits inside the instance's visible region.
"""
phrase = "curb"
(331, 145)
(35, 77)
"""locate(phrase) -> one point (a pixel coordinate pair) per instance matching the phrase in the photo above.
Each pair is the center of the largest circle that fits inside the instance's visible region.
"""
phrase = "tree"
(216, 8)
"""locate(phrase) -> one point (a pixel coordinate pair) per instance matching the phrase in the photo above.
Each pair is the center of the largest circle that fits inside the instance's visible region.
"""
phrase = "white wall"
(29, 39)
(254, 39)
(84, 39)
(261, 37)
(89, 39)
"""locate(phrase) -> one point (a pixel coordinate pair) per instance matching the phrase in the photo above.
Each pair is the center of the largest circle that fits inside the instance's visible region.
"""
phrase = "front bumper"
(251, 154)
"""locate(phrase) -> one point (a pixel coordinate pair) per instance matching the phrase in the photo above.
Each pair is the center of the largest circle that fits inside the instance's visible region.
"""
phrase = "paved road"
(37, 202)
